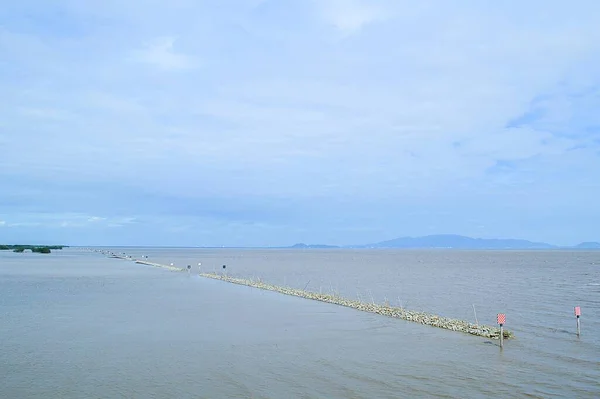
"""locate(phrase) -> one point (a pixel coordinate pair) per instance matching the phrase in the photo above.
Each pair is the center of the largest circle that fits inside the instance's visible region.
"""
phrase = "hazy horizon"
(365, 245)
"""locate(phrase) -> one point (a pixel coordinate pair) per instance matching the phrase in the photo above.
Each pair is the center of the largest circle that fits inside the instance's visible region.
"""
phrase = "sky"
(268, 122)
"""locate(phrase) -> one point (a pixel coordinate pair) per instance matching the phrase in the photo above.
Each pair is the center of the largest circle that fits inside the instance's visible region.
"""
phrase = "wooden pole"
(577, 314)
(578, 327)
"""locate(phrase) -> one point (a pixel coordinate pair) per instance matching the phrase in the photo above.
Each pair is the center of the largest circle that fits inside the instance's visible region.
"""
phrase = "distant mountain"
(588, 245)
(453, 241)
(457, 242)
(312, 246)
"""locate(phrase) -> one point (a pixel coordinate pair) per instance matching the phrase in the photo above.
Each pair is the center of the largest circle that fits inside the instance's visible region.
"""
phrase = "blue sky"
(266, 122)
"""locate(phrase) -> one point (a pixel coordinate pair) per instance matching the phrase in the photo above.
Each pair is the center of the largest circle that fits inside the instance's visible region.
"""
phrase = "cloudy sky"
(269, 122)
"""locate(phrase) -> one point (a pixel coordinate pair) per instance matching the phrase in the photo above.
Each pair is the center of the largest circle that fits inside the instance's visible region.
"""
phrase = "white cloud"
(113, 103)
(67, 220)
(24, 224)
(178, 229)
(350, 16)
(121, 222)
(161, 54)
(47, 113)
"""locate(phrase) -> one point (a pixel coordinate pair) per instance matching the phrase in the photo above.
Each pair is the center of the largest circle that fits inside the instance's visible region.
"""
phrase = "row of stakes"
(500, 318)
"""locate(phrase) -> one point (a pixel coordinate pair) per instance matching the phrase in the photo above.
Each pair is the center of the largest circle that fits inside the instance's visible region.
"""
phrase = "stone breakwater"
(172, 268)
(122, 256)
(385, 310)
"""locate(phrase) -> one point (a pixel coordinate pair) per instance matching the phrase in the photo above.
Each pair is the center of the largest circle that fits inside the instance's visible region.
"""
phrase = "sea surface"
(76, 324)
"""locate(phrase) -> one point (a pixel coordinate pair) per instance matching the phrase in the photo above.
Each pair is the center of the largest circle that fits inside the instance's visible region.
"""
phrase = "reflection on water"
(74, 324)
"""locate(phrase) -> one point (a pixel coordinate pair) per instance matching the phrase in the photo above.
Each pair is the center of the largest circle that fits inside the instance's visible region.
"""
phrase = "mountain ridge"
(453, 241)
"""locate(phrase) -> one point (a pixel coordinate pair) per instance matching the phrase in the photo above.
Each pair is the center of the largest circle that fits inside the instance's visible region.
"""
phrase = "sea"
(77, 324)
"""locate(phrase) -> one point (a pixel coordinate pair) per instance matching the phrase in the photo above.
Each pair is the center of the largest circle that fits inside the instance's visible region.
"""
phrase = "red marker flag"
(501, 318)
(577, 311)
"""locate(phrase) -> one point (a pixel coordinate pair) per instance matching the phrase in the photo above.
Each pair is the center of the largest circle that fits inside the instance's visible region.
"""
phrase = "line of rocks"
(385, 310)
(172, 268)
(141, 262)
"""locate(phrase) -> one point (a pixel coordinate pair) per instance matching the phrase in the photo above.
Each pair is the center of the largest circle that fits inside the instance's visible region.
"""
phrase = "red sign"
(501, 318)
(577, 311)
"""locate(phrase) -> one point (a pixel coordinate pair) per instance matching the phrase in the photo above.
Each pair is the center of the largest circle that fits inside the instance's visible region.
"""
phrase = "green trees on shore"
(42, 249)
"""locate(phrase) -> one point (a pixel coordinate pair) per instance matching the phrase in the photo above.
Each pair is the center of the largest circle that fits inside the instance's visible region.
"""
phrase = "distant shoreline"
(20, 248)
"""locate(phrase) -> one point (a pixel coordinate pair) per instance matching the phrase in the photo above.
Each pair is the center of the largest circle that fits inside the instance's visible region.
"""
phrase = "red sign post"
(577, 314)
(501, 318)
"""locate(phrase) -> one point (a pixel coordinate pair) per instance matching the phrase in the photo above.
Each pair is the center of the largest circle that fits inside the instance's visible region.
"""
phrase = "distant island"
(304, 246)
(42, 249)
(452, 241)
(588, 245)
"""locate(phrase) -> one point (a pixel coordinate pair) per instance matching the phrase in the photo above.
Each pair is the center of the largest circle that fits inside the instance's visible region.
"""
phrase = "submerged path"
(385, 310)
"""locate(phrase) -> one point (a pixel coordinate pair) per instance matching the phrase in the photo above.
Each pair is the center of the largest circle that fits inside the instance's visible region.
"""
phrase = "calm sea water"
(74, 324)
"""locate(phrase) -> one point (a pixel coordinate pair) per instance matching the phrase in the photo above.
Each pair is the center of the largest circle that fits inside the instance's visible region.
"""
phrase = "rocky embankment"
(172, 268)
(384, 310)
(390, 311)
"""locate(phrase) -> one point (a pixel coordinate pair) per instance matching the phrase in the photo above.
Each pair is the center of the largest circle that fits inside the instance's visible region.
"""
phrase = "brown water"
(75, 324)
